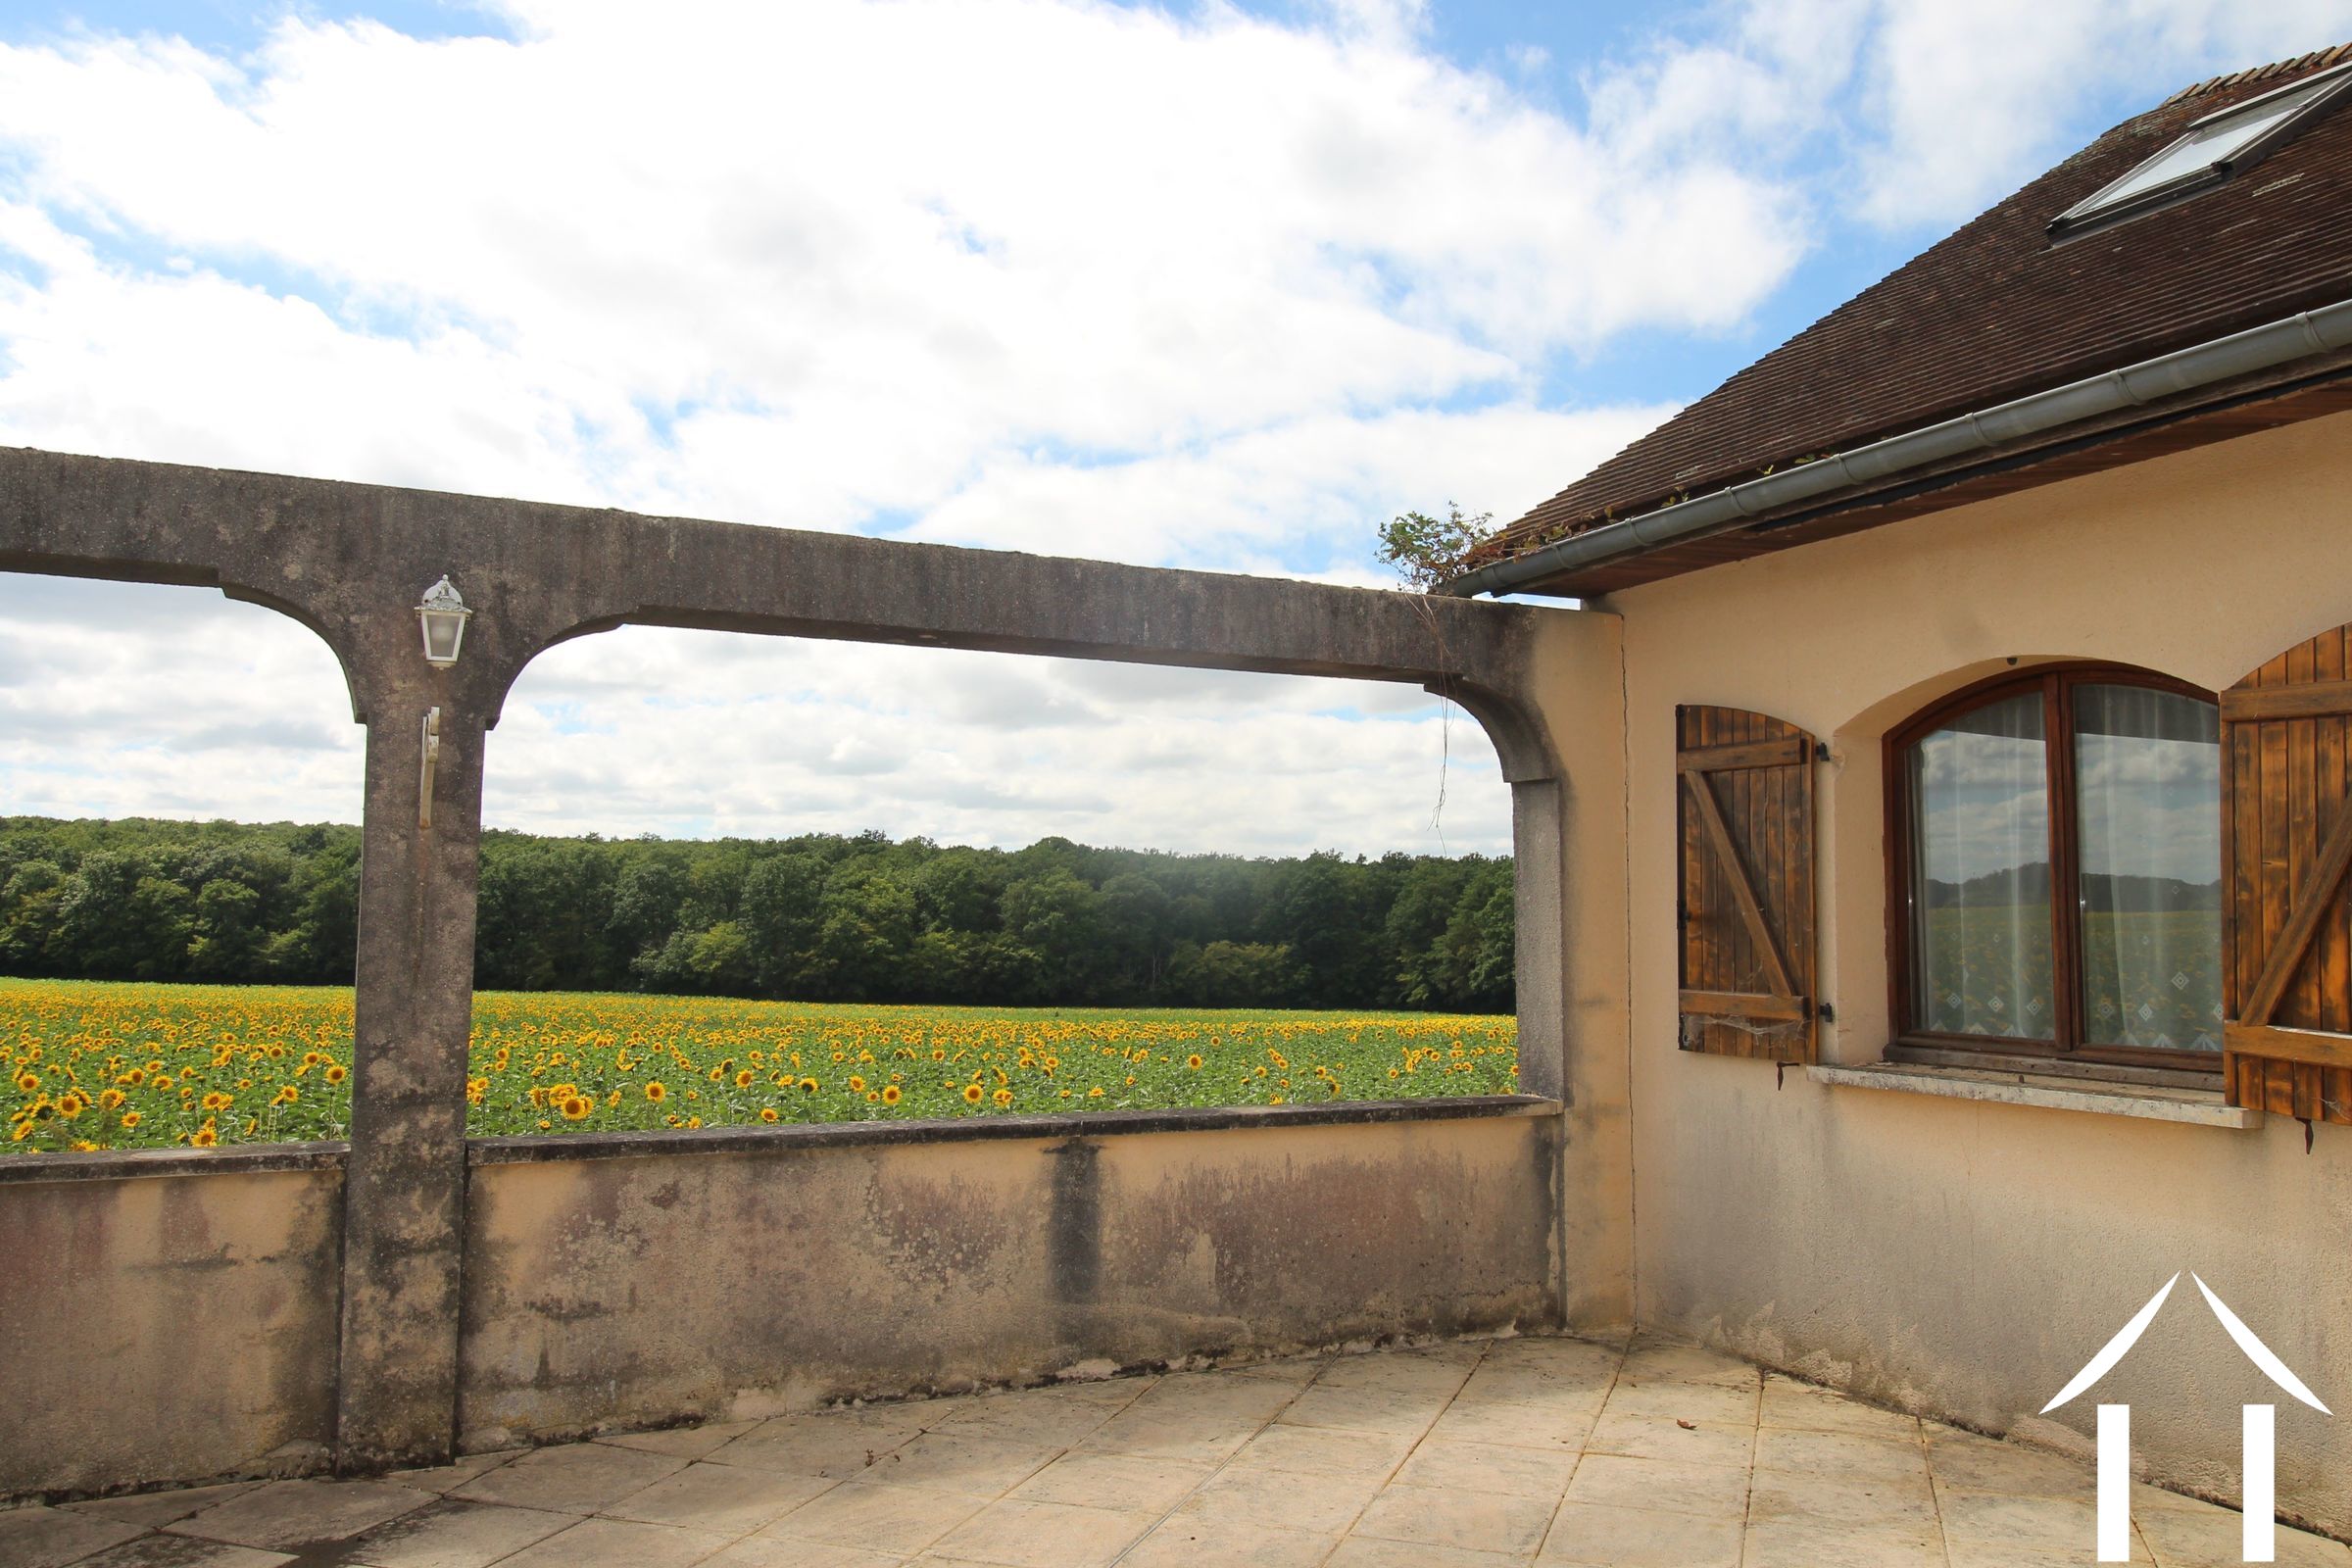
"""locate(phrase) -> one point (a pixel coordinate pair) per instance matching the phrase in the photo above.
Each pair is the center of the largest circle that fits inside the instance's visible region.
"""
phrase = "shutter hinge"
(1825, 1012)
(1821, 750)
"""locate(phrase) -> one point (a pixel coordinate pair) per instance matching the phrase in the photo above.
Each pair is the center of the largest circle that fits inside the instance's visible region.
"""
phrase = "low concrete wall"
(708, 1282)
(172, 1316)
(167, 1318)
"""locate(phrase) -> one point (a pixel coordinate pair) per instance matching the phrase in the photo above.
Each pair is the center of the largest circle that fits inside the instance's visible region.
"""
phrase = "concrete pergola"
(351, 561)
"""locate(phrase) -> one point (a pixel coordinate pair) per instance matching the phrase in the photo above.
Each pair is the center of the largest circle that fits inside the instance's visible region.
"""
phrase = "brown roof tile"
(1996, 309)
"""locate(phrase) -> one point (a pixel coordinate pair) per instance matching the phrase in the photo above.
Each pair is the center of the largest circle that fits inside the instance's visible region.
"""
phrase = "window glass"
(1981, 874)
(2148, 794)
(2216, 141)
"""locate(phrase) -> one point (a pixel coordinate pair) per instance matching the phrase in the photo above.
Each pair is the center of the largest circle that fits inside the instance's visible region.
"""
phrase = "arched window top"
(2057, 867)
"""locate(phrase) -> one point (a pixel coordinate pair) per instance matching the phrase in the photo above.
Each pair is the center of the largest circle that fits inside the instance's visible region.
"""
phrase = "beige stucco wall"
(165, 1328)
(628, 1292)
(1956, 1257)
(1578, 665)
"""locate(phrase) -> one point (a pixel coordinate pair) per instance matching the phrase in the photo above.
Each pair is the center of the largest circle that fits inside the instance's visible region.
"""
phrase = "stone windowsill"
(2195, 1107)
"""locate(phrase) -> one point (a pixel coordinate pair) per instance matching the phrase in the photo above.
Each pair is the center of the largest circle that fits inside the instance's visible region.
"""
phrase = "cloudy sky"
(1210, 285)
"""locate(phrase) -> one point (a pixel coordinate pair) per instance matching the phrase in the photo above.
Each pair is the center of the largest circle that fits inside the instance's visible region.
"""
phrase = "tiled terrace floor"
(1469, 1455)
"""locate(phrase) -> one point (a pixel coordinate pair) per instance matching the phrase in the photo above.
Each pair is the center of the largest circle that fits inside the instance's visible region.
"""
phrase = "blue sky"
(1211, 286)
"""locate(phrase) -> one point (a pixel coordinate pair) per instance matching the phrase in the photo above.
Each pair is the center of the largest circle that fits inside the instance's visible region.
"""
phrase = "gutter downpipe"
(2258, 348)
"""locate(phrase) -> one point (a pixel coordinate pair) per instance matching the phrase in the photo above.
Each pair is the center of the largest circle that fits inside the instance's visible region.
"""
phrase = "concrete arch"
(167, 577)
(351, 561)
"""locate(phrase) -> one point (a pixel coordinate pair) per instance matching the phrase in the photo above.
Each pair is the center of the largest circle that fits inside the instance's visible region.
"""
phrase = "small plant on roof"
(1427, 551)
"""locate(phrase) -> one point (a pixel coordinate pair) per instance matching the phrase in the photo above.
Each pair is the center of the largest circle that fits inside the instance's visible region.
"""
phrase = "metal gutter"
(2319, 331)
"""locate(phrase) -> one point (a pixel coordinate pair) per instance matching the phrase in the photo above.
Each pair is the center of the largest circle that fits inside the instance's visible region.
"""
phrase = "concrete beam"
(351, 561)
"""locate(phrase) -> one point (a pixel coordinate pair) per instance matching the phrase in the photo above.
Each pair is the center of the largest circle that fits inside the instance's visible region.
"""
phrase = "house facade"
(1986, 799)
(1931, 771)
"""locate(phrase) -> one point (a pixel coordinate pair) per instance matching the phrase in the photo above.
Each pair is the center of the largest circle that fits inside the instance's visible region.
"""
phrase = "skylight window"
(2209, 151)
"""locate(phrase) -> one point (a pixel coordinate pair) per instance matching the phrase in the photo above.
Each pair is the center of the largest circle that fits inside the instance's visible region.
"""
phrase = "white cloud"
(843, 255)
(1198, 289)
(122, 699)
(782, 736)
(1059, 277)
(1963, 103)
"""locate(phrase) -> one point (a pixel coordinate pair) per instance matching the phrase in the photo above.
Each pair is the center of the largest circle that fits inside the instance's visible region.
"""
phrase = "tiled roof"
(1997, 309)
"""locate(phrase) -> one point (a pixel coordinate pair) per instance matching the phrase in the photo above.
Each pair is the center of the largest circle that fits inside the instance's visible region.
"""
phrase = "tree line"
(814, 917)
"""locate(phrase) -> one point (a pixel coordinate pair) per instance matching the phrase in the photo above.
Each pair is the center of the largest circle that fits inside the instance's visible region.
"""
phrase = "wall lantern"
(443, 616)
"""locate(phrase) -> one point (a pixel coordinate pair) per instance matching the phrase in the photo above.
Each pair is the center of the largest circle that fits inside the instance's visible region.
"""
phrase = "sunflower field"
(99, 1065)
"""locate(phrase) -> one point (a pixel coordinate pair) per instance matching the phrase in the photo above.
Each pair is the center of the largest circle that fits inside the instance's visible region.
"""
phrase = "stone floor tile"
(1284, 1500)
(618, 1543)
(1584, 1532)
(1823, 1543)
(1839, 1455)
(1113, 1481)
(1324, 1451)
(2145, 1495)
(1668, 1362)
(2012, 1555)
(1369, 1551)
(1535, 1385)
(1193, 1437)
(1985, 1464)
(1807, 1408)
(2050, 1524)
(877, 1518)
(1223, 1395)
(1519, 1425)
(577, 1478)
(1204, 1541)
(1658, 1437)
(686, 1442)
(945, 1461)
(156, 1509)
(452, 1533)
(1683, 1401)
(1488, 1467)
(184, 1551)
(2183, 1540)
(1364, 1410)
(1403, 1371)
(769, 1551)
(1114, 1392)
(1983, 1554)
(443, 1478)
(1716, 1492)
(1565, 1357)
(288, 1514)
(1478, 1521)
(48, 1538)
(1905, 1500)
(728, 1498)
(1042, 1535)
(832, 1446)
(1042, 1419)
(1297, 1371)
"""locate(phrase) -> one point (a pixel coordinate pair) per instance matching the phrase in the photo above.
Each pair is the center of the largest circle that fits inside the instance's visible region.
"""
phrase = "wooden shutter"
(2287, 840)
(1745, 788)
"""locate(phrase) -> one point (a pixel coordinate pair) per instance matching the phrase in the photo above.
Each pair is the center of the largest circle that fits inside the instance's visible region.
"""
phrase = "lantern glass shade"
(443, 616)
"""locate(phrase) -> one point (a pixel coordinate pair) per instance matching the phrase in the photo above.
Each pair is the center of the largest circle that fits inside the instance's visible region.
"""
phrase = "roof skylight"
(2208, 151)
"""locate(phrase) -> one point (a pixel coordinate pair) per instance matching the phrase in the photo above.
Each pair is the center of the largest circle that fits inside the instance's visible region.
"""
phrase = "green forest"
(818, 917)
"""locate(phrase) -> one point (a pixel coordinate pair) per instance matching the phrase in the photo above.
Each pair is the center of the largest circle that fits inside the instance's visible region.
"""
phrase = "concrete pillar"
(404, 1187)
(1540, 876)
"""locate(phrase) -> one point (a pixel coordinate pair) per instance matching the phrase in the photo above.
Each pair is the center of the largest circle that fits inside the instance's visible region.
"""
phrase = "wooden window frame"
(2056, 683)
